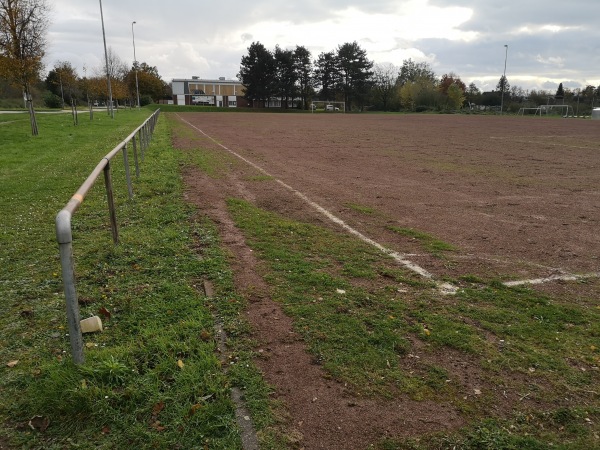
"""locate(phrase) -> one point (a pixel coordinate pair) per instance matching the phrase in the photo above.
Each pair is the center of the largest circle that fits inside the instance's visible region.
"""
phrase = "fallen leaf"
(426, 331)
(12, 363)
(195, 408)
(105, 430)
(158, 408)
(157, 426)
(39, 423)
(105, 313)
(205, 335)
(180, 364)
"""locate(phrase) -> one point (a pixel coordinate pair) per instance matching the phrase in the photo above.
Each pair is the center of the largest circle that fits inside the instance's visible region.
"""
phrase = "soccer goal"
(525, 111)
(328, 106)
(564, 109)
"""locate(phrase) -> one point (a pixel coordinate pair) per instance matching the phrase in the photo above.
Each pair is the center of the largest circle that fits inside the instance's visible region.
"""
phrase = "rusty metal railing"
(140, 137)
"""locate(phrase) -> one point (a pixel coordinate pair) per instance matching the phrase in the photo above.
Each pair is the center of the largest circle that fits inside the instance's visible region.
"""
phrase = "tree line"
(65, 86)
(346, 74)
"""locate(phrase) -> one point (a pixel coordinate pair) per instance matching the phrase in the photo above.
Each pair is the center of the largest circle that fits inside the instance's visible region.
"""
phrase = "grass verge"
(152, 378)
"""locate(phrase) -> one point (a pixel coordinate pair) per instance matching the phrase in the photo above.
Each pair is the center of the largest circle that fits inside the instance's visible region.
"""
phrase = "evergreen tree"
(257, 74)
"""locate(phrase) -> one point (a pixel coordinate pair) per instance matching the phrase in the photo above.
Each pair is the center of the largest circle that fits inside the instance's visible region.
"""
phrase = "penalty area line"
(445, 288)
(567, 277)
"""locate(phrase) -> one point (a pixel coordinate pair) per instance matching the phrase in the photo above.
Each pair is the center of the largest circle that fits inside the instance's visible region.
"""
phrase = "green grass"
(361, 208)
(131, 392)
(430, 243)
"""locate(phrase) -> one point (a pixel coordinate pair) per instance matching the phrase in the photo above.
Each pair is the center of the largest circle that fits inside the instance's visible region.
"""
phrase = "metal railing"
(64, 235)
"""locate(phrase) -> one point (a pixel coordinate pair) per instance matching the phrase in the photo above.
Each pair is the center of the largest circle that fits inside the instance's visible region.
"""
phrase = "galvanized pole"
(111, 203)
(110, 99)
(135, 157)
(65, 245)
(503, 81)
(127, 172)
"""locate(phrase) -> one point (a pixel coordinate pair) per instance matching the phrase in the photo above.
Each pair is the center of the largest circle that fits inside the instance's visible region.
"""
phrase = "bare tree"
(384, 83)
(117, 71)
(23, 27)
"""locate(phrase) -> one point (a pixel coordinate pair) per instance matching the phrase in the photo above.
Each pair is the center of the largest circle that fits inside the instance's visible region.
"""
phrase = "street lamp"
(137, 89)
(503, 80)
(110, 99)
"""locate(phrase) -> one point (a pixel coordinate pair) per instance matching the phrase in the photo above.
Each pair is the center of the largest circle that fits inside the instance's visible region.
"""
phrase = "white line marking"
(568, 277)
(446, 288)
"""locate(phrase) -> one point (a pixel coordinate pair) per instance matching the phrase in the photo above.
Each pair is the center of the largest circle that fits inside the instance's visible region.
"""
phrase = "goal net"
(328, 106)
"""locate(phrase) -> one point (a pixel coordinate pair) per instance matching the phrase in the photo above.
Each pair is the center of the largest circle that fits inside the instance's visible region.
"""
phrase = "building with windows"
(196, 91)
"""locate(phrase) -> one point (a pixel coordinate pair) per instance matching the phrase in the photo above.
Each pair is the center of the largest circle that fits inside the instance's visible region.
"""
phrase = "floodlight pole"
(137, 88)
(503, 81)
(110, 99)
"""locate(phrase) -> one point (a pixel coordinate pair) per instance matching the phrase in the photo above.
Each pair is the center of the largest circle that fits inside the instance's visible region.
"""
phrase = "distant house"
(198, 91)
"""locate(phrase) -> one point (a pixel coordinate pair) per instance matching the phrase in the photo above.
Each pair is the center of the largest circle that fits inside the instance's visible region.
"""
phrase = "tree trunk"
(32, 120)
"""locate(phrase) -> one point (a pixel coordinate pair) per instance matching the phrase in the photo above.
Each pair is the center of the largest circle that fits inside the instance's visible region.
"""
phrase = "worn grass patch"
(364, 325)
(430, 243)
(361, 208)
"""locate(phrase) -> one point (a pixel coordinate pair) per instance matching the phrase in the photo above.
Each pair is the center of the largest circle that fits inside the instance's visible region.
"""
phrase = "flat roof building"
(197, 91)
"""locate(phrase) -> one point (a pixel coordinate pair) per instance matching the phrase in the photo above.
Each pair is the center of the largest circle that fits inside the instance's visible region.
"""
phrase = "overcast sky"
(549, 41)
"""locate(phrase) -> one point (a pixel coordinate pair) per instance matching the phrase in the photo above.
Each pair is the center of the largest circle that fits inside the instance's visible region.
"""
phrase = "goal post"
(328, 106)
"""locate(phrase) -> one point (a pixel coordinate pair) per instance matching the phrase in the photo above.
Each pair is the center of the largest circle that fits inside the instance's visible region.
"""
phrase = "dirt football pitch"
(517, 198)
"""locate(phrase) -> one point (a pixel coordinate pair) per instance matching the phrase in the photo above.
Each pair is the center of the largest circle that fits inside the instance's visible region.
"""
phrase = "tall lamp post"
(110, 99)
(503, 81)
(137, 89)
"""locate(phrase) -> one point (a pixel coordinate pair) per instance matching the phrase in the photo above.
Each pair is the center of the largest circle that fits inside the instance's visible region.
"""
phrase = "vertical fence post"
(127, 172)
(135, 157)
(111, 202)
(142, 142)
(65, 246)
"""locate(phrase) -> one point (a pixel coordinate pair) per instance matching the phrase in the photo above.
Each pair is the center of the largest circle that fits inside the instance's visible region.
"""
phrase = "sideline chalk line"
(444, 287)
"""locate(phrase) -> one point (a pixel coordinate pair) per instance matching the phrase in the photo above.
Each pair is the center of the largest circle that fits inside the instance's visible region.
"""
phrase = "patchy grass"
(361, 208)
(363, 320)
(430, 243)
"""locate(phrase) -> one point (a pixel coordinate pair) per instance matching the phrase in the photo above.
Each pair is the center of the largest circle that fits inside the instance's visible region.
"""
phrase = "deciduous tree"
(456, 96)
(23, 27)
(448, 80)
(384, 84)
(413, 71)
